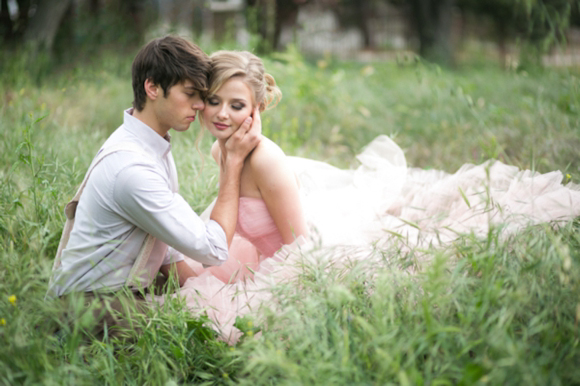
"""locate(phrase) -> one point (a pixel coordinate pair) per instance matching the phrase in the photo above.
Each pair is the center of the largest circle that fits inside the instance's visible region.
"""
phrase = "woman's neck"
(222, 146)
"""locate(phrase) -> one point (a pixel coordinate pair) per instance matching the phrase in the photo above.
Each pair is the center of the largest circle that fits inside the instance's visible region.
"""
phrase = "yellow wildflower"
(568, 176)
(12, 299)
(2, 322)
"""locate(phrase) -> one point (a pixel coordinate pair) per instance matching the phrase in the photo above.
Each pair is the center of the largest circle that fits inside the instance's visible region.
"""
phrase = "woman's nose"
(222, 113)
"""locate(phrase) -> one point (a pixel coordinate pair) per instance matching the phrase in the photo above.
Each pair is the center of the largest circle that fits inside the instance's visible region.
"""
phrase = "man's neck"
(148, 117)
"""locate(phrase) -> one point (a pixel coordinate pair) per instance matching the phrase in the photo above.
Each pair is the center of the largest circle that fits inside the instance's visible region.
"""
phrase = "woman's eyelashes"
(215, 102)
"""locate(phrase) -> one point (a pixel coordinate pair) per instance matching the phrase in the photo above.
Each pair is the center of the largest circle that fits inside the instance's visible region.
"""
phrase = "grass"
(492, 310)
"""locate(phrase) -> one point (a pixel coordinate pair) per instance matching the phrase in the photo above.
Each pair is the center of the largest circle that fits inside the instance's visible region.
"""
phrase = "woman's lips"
(220, 126)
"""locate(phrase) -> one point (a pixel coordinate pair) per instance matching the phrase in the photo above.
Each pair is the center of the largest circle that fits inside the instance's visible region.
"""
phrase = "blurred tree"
(65, 24)
(44, 24)
(356, 13)
(12, 30)
(539, 24)
(432, 21)
(266, 17)
(5, 21)
(575, 14)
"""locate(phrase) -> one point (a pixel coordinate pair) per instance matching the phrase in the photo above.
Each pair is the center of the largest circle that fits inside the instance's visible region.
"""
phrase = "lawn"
(496, 310)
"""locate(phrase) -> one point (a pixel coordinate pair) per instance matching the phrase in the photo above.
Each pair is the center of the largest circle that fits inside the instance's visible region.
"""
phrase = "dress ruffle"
(353, 210)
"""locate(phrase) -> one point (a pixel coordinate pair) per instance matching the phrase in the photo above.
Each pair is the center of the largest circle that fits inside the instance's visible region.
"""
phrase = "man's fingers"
(257, 121)
(247, 136)
(246, 125)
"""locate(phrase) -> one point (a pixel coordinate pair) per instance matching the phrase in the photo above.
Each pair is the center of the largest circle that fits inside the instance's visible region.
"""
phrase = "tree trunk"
(5, 23)
(270, 23)
(44, 24)
(22, 22)
(286, 14)
(433, 20)
(502, 42)
(361, 17)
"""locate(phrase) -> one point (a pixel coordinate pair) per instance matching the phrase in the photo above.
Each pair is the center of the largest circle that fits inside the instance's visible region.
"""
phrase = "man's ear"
(151, 89)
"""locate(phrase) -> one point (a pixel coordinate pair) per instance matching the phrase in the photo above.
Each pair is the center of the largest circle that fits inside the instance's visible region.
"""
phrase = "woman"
(270, 210)
(277, 193)
(344, 207)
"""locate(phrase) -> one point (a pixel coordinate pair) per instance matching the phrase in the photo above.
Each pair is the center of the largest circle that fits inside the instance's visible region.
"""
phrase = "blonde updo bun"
(228, 64)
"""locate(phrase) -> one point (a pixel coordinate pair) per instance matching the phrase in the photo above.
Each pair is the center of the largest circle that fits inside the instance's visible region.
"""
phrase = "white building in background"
(317, 30)
(207, 20)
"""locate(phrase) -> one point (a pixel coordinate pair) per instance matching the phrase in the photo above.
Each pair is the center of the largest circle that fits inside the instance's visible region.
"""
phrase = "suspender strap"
(71, 208)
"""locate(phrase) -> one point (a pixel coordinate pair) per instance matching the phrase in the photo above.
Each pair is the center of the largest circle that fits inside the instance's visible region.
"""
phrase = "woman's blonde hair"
(229, 64)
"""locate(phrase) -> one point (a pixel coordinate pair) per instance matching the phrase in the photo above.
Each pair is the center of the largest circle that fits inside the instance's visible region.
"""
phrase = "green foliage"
(498, 311)
(539, 24)
(494, 310)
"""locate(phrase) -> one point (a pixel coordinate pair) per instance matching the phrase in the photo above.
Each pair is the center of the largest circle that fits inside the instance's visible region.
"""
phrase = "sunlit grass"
(495, 310)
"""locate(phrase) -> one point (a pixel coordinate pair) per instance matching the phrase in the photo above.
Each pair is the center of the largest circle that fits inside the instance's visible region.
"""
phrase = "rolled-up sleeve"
(172, 256)
(143, 196)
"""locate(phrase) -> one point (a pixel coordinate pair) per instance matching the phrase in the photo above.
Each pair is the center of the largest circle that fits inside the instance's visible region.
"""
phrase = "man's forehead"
(188, 84)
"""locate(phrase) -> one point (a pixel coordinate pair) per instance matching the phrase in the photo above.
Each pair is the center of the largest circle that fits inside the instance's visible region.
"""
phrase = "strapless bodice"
(257, 226)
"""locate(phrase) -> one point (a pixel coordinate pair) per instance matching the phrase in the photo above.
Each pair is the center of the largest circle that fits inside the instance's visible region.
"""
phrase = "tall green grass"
(493, 310)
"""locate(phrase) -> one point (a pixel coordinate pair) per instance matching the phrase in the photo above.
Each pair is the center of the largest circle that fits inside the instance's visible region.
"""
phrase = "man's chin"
(181, 128)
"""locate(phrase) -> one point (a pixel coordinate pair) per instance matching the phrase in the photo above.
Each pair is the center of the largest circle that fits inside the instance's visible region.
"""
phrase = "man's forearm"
(181, 270)
(236, 149)
(225, 211)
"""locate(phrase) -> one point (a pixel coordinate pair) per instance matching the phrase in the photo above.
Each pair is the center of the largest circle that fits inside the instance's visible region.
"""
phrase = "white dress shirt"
(127, 196)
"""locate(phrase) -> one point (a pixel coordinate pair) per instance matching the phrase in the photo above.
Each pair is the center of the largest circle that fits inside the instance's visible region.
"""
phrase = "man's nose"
(198, 104)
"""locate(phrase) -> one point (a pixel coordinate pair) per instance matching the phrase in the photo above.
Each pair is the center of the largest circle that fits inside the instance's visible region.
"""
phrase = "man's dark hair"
(167, 61)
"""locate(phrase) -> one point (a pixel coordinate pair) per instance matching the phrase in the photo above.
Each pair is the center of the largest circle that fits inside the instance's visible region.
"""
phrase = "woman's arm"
(279, 189)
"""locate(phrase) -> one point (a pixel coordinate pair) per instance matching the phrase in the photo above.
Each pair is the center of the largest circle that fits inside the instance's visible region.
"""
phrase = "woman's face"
(227, 109)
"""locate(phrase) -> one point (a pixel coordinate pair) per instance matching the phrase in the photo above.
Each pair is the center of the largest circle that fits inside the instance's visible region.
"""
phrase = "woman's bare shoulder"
(266, 155)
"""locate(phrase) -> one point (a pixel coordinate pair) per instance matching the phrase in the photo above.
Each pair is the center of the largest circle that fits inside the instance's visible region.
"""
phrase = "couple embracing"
(128, 226)
(128, 223)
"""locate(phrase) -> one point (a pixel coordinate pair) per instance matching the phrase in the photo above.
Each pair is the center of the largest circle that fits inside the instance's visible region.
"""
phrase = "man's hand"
(238, 146)
(181, 270)
(246, 138)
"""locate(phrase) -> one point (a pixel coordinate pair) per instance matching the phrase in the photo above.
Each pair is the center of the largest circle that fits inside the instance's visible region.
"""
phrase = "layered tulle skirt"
(380, 202)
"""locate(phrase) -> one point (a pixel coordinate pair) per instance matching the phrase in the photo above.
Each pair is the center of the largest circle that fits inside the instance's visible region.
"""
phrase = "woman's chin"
(223, 135)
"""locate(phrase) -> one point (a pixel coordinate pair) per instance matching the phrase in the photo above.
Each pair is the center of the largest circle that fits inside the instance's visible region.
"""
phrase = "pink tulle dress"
(256, 238)
(381, 201)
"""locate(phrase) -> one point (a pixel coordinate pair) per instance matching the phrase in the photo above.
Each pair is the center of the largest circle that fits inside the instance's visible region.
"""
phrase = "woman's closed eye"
(213, 101)
(238, 106)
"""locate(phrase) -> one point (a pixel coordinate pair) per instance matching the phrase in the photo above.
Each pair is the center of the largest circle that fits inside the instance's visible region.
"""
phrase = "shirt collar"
(146, 135)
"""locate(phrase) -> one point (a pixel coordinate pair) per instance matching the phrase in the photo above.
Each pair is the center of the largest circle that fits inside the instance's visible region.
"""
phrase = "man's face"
(177, 109)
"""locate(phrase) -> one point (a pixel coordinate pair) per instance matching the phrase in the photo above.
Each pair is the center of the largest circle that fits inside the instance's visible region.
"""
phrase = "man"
(132, 192)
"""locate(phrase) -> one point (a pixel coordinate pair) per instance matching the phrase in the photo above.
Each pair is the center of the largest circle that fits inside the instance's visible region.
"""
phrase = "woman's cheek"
(241, 120)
